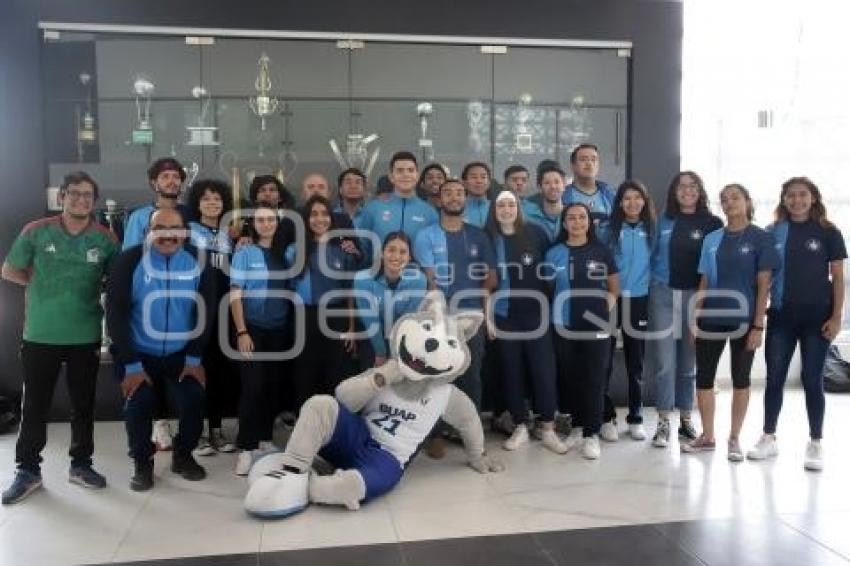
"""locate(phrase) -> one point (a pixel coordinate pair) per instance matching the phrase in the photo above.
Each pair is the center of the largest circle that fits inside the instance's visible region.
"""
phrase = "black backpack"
(836, 372)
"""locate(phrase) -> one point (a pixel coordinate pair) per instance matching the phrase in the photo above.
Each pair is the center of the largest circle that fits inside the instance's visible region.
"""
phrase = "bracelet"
(242, 333)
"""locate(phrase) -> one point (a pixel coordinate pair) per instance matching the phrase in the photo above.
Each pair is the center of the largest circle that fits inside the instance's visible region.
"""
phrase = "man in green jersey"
(61, 261)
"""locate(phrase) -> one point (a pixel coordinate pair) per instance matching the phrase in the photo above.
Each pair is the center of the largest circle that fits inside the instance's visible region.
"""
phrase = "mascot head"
(430, 344)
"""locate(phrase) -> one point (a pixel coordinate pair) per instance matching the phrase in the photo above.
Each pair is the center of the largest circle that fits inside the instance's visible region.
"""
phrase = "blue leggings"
(782, 337)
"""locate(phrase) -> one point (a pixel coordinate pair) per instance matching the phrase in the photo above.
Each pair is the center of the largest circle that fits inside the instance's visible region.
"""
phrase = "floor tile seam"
(679, 544)
(130, 527)
(812, 538)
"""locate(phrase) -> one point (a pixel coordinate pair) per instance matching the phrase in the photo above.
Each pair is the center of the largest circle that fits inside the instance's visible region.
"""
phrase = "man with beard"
(61, 261)
(458, 259)
(547, 212)
(166, 177)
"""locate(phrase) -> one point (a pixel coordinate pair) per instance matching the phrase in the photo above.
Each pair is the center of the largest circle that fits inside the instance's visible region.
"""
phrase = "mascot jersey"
(400, 425)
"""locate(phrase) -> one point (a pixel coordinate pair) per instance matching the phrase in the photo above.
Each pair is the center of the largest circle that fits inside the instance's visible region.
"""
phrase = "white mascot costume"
(377, 420)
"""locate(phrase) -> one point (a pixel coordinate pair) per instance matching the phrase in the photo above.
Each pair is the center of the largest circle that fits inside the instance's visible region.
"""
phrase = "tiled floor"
(544, 508)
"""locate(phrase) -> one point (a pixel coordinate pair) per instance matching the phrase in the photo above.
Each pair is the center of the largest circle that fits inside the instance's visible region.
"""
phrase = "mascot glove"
(390, 372)
(484, 464)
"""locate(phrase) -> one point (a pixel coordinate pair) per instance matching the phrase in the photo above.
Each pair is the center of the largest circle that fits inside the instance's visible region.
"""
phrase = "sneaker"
(814, 456)
(436, 447)
(590, 448)
(563, 424)
(687, 432)
(517, 439)
(661, 438)
(142, 480)
(551, 441)
(221, 441)
(24, 484)
(205, 447)
(701, 444)
(244, 462)
(574, 439)
(504, 424)
(161, 436)
(185, 465)
(735, 452)
(608, 432)
(637, 432)
(765, 448)
(86, 476)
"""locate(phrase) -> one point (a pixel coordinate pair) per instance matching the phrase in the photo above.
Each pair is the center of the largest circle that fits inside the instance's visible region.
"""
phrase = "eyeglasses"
(77, 195)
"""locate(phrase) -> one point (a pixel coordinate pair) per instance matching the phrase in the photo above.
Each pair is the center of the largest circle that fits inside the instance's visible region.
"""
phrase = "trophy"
(264, 104)
(577, 121)
(357, 152)
(202, 135)
(86, 133)
(523, 133)
(425, 110)
(475, 115)
(142, 132)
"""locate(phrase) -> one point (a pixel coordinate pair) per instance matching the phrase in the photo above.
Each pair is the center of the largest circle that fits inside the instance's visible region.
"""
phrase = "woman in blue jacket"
(670, 354)
(628, 234)
(806, 304)
(382, 298)
(735, 266)
(520, 311)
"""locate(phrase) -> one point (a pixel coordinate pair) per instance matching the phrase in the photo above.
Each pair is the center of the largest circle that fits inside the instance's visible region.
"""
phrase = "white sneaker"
(814, 456)
(278, 494)
(222, 442)
(637, 432)
(574, 439)
(205, 448)
(551, 441)
(609, 432)
(517, 439)
(765, 448)
(161, 435)
(590, 449)
(244, 462)
(662, 434)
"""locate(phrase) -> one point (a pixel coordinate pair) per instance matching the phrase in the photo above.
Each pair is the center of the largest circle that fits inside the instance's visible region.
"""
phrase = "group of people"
(251, 311)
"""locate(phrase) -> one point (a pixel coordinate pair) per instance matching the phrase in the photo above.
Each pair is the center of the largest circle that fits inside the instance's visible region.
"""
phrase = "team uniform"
(394, 213)
(600, 203)
(583, 360)
(731, 261)
(136, 225)
(535, 213)
(256, 272)
(800, 303)
(476, 211)
(62, 324)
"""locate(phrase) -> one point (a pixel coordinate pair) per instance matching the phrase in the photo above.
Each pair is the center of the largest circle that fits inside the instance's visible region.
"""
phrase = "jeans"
(41, 365)
(782, 337)
(671, 358)
(139, 409)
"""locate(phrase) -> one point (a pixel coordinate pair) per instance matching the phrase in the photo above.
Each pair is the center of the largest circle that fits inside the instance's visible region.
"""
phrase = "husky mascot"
(378, 419)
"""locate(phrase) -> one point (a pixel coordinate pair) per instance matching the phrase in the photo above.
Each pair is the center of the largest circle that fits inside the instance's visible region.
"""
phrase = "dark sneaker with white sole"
(24, 484)
(185, 465)
(86, 476)
(142, 480)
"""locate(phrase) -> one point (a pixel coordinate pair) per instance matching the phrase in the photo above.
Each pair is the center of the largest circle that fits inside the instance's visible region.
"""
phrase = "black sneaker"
(186, 466)
(86, 476)
(142, 480)
(687, 432)
(24, 484)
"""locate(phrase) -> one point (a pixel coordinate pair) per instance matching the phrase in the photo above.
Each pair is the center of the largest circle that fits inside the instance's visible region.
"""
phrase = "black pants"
(261, 380)
(633, 349)
(581, 379)
(708, 356)
(41, 365)
(521, 361)
(140, 408)
(222, 383)
(323, 363)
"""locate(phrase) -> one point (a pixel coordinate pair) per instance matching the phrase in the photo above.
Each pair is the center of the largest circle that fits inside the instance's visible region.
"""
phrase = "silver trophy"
(426, 145)
(143, 88)
(576, 120)
(201, 134)
(524, 138)
(263, 104)
(357, 152)
(475, 115)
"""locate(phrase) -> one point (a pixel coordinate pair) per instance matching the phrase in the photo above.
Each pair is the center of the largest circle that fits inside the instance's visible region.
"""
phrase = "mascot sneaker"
(265, 464)
(278, 494)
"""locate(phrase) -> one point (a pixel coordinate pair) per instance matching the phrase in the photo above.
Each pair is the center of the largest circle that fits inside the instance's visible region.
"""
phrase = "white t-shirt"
(401, 425)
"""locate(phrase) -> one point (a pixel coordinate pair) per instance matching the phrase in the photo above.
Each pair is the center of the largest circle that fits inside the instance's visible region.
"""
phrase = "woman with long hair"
(260, 316)
(519, 307)
(806, 305)
(628, 234)
(383, 297)
(670, 354)
(584, 280)
(735, 268)
(326, 269)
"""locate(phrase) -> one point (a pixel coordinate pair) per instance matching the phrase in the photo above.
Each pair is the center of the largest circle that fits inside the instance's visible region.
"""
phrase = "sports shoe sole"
(77, 480)
(29, 491)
